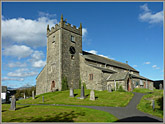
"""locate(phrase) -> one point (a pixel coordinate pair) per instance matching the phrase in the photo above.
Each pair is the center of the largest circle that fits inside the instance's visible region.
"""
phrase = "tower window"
(72, 38)
(90, 76)
(53, 39)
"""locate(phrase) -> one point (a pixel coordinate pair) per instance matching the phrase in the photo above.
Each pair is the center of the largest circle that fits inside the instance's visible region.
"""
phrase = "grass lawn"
(142, 90)
(54, 114)
(103, 98)
(145, 103)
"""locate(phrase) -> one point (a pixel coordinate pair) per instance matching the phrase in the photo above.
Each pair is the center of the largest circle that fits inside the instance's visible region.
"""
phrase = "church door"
(129, 85)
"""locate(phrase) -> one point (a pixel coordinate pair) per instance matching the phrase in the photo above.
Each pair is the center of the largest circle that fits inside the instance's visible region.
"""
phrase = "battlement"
(66, 26)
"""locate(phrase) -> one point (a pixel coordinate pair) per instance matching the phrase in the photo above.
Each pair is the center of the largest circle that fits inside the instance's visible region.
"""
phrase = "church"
(67, 60)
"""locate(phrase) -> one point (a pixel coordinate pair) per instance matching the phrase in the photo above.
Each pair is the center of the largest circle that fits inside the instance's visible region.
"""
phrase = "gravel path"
(124, 114)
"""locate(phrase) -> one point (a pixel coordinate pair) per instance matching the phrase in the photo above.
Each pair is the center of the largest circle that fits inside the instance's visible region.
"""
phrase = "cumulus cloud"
(17, 64)
(23, 72)
(38, 64)
(27, 31)
(20, 51)
(12, 79)
(148, 16)
(37, 55)
(147, 63)
(84, 32)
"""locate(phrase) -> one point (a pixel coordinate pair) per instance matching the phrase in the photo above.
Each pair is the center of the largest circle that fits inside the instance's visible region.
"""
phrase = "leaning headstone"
(160, 87)
(13, 103)
(43, 99)
(109, 88)
(92, 95)
(82, 93)
(71, 92)
(24, 96)
(33, 97)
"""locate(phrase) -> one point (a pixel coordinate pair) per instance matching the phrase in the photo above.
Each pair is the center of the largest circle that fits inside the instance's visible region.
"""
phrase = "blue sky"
(123, 31)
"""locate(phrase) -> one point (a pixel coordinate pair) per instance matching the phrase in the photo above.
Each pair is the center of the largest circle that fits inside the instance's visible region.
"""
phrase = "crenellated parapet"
(66, 26)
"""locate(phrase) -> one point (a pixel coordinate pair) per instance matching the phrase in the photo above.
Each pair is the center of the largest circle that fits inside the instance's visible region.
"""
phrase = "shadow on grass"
(75, 94)
(138, 119)
(60, 117)
(22, 107)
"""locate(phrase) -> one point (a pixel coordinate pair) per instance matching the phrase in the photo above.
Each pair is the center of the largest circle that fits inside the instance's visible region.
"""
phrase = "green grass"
(103, 98)
(142, 90)
(54, 114)
(145, 103)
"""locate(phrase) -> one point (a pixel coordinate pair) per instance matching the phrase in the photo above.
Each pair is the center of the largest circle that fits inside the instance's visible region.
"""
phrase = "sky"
(122, 31)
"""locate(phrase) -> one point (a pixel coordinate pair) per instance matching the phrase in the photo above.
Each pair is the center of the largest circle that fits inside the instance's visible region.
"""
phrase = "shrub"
(84, 85)
(120, 89)
(64, 83)
(160, 102)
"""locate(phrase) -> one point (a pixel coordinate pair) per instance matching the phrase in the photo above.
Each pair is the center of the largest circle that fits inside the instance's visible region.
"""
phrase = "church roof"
(140, 77)
(118, 76)
(108, 61)
(103, 69)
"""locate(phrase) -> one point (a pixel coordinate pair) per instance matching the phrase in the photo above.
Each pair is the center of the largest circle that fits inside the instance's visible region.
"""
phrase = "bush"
(120, 89)
(84, 85)
(64, 83)
(160, 102)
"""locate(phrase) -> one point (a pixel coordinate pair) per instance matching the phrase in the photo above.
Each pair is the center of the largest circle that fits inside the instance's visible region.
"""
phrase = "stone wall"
(41, 81)
(85, 70)
(120, 83)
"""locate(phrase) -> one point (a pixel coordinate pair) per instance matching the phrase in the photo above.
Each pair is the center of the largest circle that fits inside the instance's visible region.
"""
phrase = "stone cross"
(43, 99)
(71, 92)
(109, 88)
(13, 103)
(160, 86)
(24, 96)
(92, 95)
(33, 97)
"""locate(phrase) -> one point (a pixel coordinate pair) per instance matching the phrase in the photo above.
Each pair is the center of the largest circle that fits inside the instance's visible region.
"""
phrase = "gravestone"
(13, 103)
(109, 88)
(24, 96)
(71, 92)
(33, 97)
(92, 95)
(153, 105)
(160, 86)
(43, 99)
(82, 93)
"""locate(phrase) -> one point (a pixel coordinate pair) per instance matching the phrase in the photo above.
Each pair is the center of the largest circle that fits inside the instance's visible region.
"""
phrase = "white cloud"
(92, 51)
(23, 72)
(16, 64)
(20, 51)
(37, 55)
(134, 65)
(12, 79)
(155, 67)
(27, 31)
(38, 64)
(84, 32)
(149, 16)
(147, 63)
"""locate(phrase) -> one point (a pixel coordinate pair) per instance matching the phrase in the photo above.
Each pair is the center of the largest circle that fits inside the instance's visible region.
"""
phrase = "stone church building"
(65, 58)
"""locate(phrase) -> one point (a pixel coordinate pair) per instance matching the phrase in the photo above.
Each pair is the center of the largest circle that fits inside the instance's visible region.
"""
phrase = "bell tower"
(64, 44)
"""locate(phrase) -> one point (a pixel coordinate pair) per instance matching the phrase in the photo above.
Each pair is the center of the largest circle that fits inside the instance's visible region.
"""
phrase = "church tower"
(64, 44)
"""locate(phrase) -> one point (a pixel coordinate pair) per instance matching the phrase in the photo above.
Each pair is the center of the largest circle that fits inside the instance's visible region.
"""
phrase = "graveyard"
(65, 106)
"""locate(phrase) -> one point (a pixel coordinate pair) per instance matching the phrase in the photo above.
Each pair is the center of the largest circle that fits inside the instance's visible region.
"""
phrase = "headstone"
(13, 103)
(24, 96)
(153, 105)
(160, 86)
(109, 88)
(33, 97)
(82, 93)
(43, 99)
(92, 95)
(71, 92)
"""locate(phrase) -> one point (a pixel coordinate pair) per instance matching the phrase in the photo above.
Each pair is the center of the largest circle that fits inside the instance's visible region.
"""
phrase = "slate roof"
(108, 61)
(103, 69)
(140, 77)
(118, 76)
